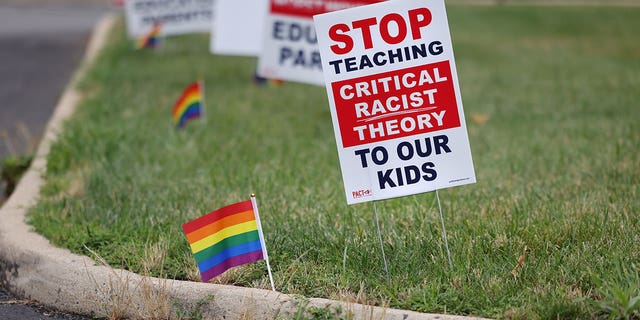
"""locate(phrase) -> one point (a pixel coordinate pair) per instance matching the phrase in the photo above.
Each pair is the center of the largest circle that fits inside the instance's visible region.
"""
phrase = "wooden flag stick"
(264, 246)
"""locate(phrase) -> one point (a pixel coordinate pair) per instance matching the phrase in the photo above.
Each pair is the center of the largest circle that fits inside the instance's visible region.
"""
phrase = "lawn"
(551, 97)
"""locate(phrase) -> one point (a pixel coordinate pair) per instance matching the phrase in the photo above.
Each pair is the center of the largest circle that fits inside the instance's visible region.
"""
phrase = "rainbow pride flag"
(262, 81)
(189, 106)
(225, 238)
(151, 38)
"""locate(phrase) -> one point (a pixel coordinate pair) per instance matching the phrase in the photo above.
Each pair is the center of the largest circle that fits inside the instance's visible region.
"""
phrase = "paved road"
(41, 43)
(16, 309)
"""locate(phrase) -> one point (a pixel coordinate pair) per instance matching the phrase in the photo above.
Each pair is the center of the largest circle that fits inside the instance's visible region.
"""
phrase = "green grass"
(11, 170)
(557, 165)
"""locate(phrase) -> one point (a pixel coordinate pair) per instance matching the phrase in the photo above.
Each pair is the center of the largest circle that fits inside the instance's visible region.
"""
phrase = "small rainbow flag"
(151, 38)
(190, 104)
(227, 237)
(262, 81)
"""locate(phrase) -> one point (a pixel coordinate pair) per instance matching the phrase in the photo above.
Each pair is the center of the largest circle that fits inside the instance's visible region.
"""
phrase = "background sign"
(175, 16)
(239, 27)
(290, 47)
(395, 101)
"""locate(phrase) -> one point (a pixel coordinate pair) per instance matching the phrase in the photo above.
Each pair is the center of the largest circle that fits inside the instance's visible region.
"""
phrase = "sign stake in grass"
(395, 102)
(444, 232)
(384, 257)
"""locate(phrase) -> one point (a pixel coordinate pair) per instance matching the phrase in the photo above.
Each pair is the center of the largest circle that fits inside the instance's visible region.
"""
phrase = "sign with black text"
(394, 97)
(290, 47)
(175, 16)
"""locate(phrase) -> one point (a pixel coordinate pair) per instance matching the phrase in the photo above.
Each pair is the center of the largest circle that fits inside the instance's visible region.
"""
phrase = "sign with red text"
(394, 97)
(238, 27)
(175, 16)
(290, 47)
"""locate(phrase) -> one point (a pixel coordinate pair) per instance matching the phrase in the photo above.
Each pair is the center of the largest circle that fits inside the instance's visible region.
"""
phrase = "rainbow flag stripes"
(189, 106)
(150, 40)
(262, 81)
(225, 238)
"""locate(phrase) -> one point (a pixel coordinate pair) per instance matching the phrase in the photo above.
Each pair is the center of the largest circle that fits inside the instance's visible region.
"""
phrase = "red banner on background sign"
(309, 8)
(396, 104)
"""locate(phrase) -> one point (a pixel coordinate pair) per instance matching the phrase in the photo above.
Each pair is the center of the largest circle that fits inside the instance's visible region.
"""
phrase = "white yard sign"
(238, 27)
(174, 16)
(290, 47)
(394, 98)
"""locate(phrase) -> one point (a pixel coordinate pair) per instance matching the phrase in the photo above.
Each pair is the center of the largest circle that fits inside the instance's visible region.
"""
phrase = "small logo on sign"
(361, 193)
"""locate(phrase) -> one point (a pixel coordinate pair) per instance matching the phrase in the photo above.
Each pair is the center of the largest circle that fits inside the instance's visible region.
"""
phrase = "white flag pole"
(384, 257)
(444, 232)
(203, 116)
(262, 243)
(162, 38)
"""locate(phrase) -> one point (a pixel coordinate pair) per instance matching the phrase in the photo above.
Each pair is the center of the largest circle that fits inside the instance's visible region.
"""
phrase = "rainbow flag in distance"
(151, 38)
(225, 238)
(189, 106)
(262, 81)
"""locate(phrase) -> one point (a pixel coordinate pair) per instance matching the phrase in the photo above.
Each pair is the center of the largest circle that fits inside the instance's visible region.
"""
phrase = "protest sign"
(289, 47)
(238, 27)
(175, 16)
(394, 98)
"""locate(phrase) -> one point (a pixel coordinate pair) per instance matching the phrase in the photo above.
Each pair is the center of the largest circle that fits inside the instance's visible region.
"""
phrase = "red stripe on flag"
(219, 225)
(216, 215)
(191, 90)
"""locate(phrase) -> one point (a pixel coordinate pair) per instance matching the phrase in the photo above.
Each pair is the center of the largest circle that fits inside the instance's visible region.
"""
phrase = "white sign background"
(290, 47)
(175, 16)
(414, 139)
(290, 58)
(238, 27)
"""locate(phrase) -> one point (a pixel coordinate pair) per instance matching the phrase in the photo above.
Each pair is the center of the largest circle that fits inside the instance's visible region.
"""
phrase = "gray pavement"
(40, 47)
(12, 308)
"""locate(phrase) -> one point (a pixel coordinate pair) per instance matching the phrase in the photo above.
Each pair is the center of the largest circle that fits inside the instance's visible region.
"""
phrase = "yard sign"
(290, 47)
(394, 98)
(175, 16)
(238, 27)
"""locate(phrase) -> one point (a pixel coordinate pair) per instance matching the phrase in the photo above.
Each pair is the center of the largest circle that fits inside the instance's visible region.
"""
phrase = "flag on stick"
(262, 81)
(227, 237)
(190, 104)
(151, 38)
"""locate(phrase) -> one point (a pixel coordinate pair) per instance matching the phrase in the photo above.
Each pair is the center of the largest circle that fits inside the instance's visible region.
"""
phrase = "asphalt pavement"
(12, 308)
(41, 44)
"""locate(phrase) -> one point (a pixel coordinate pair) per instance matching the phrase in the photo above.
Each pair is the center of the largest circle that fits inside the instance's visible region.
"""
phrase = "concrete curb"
(31, 267)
